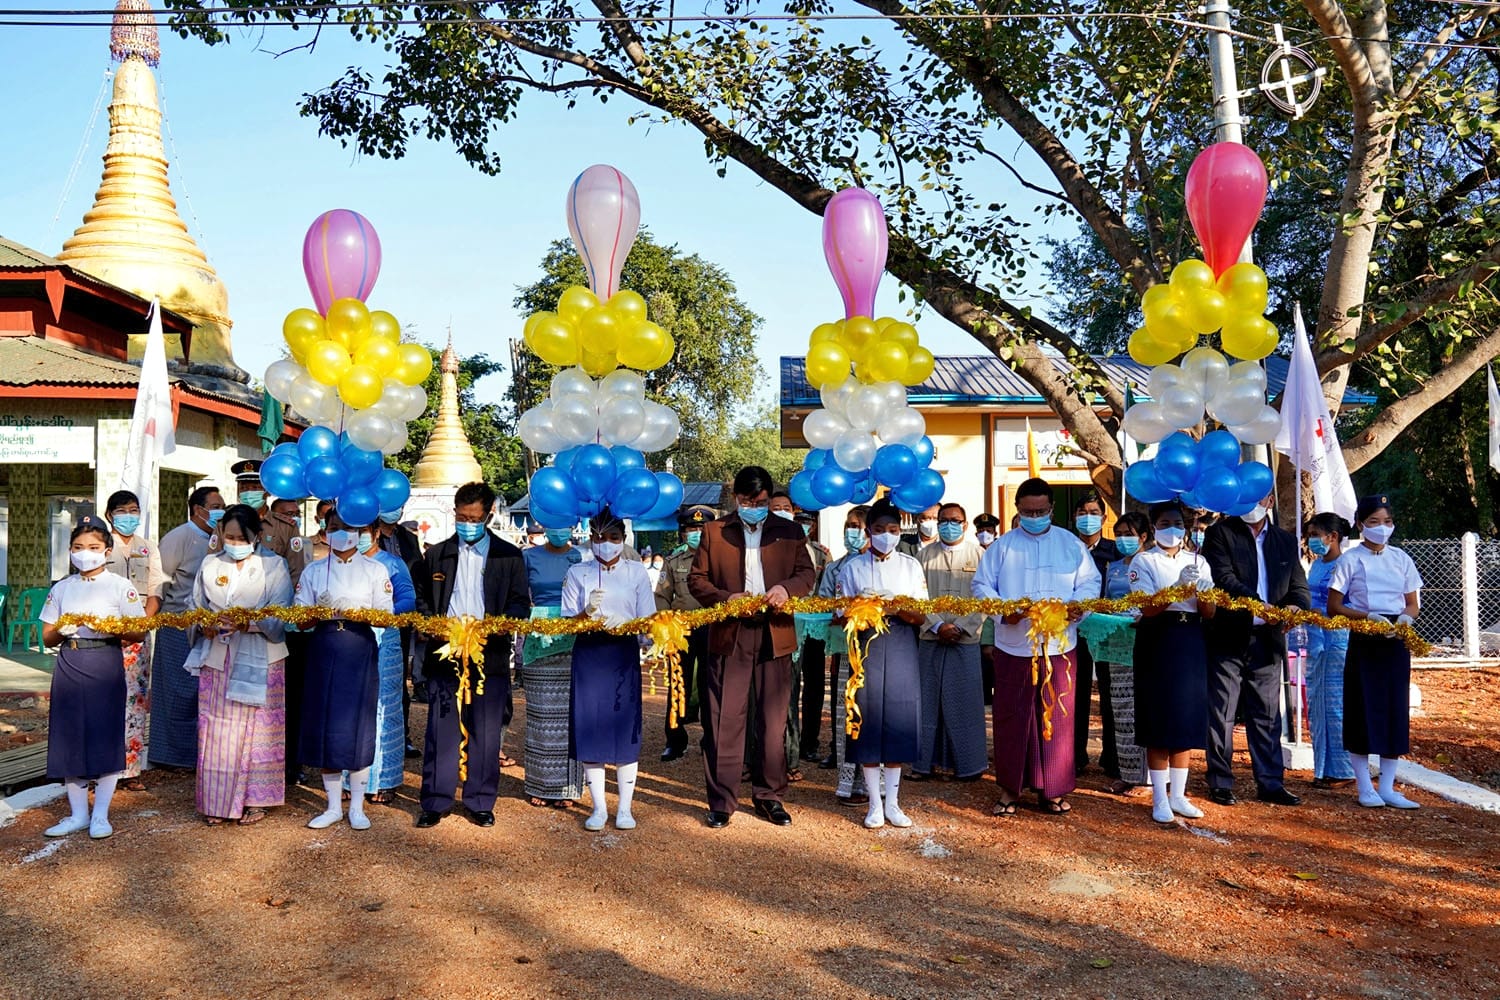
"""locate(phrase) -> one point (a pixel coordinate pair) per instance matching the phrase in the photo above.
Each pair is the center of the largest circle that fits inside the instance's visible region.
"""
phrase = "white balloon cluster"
(1234, 395)
(854, 415)
(611, 411)
(379, 427)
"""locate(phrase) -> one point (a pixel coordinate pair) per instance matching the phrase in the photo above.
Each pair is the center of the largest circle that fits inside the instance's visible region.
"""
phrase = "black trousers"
(1247, 677)
(484, 717)
(814, 676)
(296, 665)
(694, 664)
(1109, 760)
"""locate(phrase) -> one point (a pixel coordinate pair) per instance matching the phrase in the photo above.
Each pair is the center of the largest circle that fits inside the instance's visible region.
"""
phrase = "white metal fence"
(1460, 595)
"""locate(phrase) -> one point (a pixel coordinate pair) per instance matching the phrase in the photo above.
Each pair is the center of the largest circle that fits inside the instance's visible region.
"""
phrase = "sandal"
(506, 761)
(561, 803)
(133, 785)
(795, 774)
(1059, 806)
(1004, 808)
(538, 803)
(381, 798)
(213, 821)
(252, 816)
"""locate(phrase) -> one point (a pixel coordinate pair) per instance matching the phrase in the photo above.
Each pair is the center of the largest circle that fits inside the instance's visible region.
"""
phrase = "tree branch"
(1425, 62)
(1338, 35)
(980, 148)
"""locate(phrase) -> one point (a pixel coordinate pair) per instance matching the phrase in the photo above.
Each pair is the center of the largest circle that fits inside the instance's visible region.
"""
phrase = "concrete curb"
(1444, 786)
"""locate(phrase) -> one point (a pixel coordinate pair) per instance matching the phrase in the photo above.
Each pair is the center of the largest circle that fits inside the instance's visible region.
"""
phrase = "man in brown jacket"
(740, 554)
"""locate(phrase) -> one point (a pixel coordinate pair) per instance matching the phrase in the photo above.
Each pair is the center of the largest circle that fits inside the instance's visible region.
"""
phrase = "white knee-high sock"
(874, 816)
(1361, 765)
(891, 784)
(104, 791)
(78, 797)
(1387, 791)
(333, 787)
(625, 775)
(358, 782)
(1161, 810)
(1177, 794)
(595, 775)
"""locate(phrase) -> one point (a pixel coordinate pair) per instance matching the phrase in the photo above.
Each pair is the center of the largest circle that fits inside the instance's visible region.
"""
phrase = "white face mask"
(1379, 533)
(1169, 538)
(87, 559)
(985, 537)
(607, 551)
(883, 541)
(786, 514)
(928, 527)
(1257, 514)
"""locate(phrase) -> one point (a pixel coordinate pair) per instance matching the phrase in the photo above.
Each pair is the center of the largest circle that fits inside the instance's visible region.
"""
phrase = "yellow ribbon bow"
(465, 647)
(1049, 623)
(669, 640)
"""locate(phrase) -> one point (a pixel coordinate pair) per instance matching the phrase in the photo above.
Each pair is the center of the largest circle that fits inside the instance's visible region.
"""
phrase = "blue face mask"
(1088, 524)
(215, 516)
(950, 532)
(253, 498)
(1128, 545)
(558, 537)
(1036, 525)
(469, 531)
(238, 551)
(754, 515)
(1198, 538)
(126, 524)
(391, 517)
(1317, 546)
(693, 538)
(854, 539)
(365, 543)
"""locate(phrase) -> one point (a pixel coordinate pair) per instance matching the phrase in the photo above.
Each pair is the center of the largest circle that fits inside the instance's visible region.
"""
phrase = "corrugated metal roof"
(13, 254)
(985, 380)
(707, 494)
(33, 361)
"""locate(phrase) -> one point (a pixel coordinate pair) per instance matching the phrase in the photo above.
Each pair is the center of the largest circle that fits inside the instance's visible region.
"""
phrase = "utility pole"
(1228, 125)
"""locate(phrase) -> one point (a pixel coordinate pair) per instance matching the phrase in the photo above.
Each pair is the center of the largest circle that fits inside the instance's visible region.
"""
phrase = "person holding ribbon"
(890, 699)
(341, 689)
(1327, 649)
(241, 676)
(951, 680)
(388, 770)
(139, 562)
(86, 717)
(553, 777)
(1171, 663)
(1376, 582)
(604, 715)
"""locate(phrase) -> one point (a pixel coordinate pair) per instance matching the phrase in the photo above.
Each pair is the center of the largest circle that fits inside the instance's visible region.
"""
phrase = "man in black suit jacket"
(472, 573)
(1249, 557)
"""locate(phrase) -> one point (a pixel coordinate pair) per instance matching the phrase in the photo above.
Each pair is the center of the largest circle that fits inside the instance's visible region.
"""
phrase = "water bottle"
(1296, 640)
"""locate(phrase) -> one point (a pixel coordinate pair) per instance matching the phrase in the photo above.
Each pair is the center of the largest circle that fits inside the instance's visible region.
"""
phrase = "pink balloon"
(604, 215)
(855, 242)
(1226, 189)
(341, 257)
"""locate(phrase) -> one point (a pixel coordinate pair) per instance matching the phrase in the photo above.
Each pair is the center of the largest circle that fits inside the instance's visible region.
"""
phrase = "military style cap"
(246, 471)
(92, 521)
(695, 517)
(982, 521)
(1370, 504)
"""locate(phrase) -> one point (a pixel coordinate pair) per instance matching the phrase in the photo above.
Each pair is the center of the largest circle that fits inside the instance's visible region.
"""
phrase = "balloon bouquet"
(1226, 190)
(349, 374)
(596, 420)
(865, 436)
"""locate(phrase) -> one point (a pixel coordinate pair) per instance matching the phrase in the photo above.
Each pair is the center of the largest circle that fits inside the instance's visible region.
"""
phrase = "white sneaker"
(596, 821)
(895, 817)
(874, 819)
(1182, 807)
(1162, 812)
(624, 821)
(358, 821)
(70, 825)
(1371, 801)
(99, 828)
(1398, 801)
(325, 819)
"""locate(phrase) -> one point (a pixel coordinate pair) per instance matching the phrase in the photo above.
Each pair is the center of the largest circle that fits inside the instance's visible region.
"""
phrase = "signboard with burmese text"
(45, 439)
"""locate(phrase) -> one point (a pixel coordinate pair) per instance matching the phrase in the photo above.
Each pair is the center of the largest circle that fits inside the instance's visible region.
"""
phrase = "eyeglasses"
(752, 504)
(1044, 512)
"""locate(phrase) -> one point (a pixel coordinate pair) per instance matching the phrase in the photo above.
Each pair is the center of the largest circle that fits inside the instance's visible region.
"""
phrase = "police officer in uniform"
(280, 524)
(672, 594)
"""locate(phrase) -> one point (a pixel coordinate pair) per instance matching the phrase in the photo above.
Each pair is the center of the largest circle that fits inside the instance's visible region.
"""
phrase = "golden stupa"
(448, 459)
(132, 236)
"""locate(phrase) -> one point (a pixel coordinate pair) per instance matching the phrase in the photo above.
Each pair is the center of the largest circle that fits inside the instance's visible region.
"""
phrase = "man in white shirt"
(1039, 560)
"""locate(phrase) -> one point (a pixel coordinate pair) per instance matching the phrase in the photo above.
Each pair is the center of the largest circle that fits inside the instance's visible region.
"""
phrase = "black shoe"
(429, 818)
(481, 817)
(773, 812)
(827, 763)
(716, 820)
(673, 753)
(918, 776)
(810, 755)
(1222, 796)
(1278, 796)
(412, 753)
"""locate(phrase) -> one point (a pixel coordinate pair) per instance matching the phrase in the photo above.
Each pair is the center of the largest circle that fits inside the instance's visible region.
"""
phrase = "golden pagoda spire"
(448, 458)
(133, 236)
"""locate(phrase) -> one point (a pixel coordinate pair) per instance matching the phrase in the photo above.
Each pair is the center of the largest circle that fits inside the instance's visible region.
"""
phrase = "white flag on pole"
(1494, 420)
(152, 433)
(1307, 435)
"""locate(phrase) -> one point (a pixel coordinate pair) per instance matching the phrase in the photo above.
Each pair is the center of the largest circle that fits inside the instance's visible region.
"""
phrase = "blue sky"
(249, 175)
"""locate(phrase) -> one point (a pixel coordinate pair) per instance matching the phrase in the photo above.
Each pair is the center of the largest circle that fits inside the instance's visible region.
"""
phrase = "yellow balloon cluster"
(1193, 303)
(354, 349)
(599, 336)
(878, 350)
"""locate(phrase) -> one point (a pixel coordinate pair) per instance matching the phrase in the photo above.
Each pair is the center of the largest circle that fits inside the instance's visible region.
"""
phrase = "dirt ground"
(1323, 900)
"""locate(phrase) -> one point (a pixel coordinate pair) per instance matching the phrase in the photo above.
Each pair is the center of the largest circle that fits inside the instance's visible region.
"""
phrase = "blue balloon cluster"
(326, 465)
(904, 469)
(582, 480)
(1205, 474)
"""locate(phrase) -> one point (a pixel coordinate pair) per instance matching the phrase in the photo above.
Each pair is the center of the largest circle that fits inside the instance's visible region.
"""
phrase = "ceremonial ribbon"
(465, 647)
(861, 614)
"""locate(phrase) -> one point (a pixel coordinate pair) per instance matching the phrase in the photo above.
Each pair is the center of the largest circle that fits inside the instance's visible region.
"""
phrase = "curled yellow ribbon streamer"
(669, 640)
(465, 647)
(1048, 623)
(861, 614)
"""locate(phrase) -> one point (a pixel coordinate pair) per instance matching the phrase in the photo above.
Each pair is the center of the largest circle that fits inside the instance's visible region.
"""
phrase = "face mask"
(322, 523)
(753, 515)
(950, 533)
(986, 537)
(607, 551)
(1088, 524)
(1379, 533)
(854, 539)
(928, 527)
(1129, 545)
(1257, 514)
(1317, 546)
(342, 541)
(1198, 538)
(807, 531)
(238, 550)
(1169, 538)
(1036, 525)
(788, 515)
(391, 517)
(693, 537)
(126, 524)
(469, 531)
(884, 541)
(560, 536)
(253, 498)
(214, 517)
(87, 559)
(365, 543)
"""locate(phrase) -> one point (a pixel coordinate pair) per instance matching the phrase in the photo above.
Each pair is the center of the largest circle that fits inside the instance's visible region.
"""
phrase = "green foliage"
(488, 426)
(752, 441)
